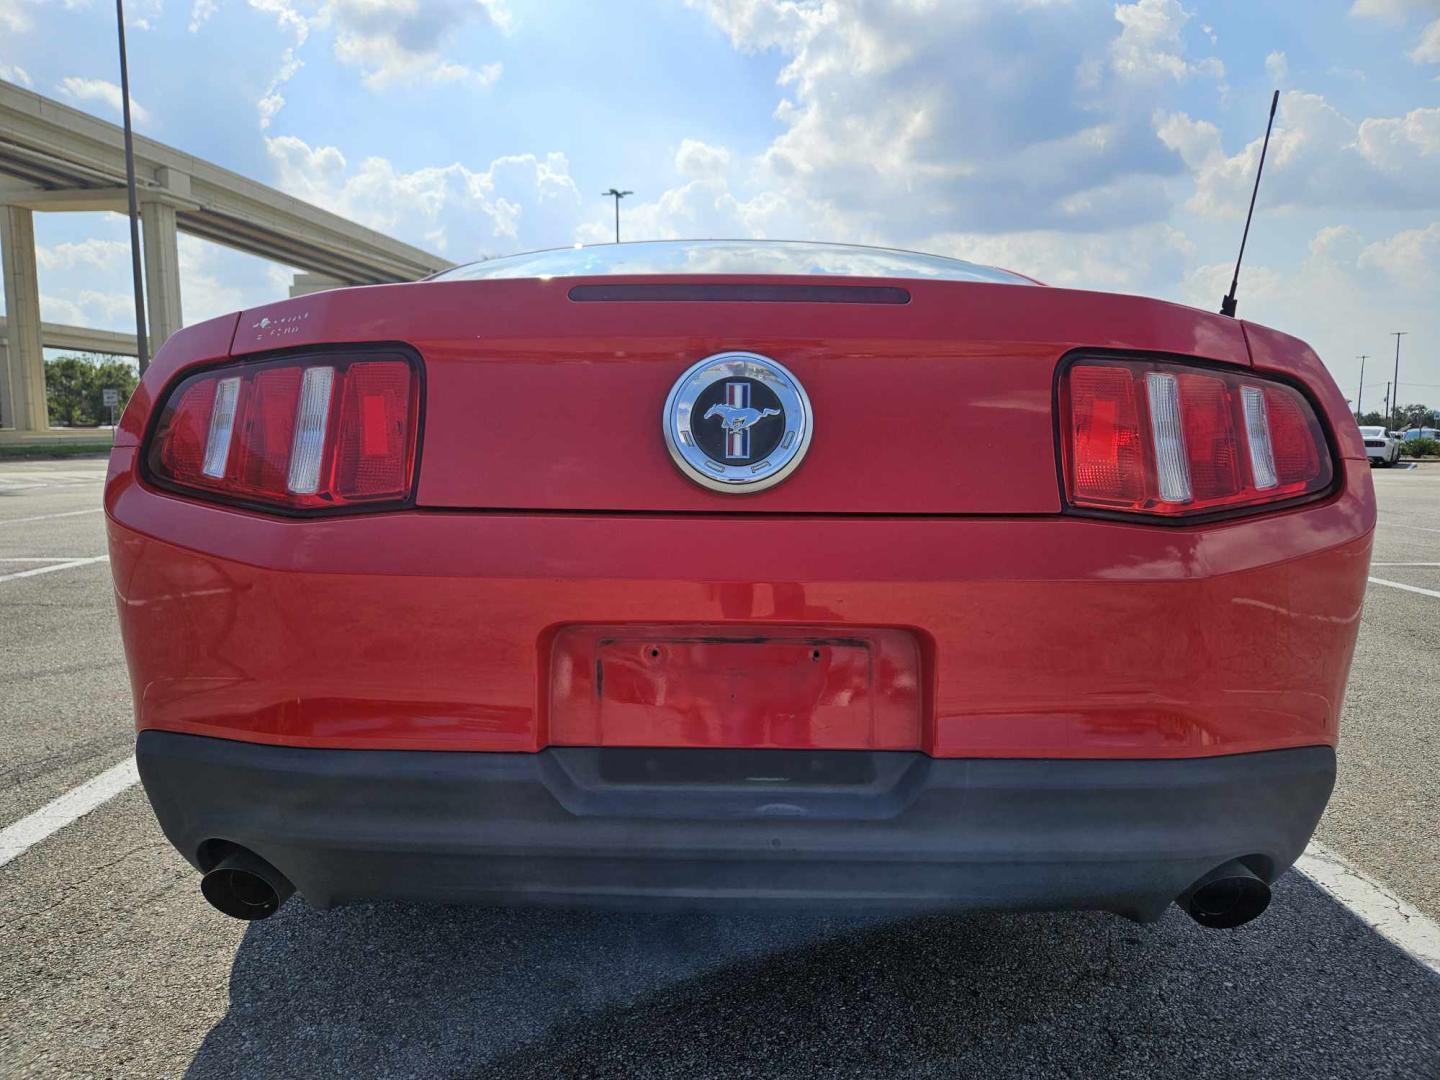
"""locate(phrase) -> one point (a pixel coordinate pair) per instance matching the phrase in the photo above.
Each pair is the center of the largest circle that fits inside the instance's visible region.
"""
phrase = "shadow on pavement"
(394, 990)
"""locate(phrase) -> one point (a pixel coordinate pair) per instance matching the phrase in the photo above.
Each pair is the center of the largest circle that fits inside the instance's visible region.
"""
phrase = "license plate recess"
(792, 687)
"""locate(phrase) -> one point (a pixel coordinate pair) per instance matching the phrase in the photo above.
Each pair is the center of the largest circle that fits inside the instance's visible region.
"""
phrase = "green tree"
(1415, 416)
(75, 388)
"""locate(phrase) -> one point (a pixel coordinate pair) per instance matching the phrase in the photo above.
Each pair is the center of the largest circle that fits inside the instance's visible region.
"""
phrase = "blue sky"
(1095, 145)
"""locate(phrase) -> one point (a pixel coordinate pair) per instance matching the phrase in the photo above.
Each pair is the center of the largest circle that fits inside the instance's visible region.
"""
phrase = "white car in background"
(1381, 446)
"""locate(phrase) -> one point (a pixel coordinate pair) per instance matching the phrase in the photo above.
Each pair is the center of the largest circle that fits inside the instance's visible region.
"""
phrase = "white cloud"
(519, 201)
(95, 253)
(759, 24)
(272, 100)
(296, 26)
(1343, 297)
(84, 279)
(288, 17)
(1151, 46)
(392, 42)
(1338, 244)
(1400, 12)
(701, 160)
(103, 92)
(1410, 259)
(16, 74)
(1277, 67)
(1402, 143)
(84, 283)
(1318, 158)
(100, 309)
(1428, 50)
(708, 207)
(882, 138)
(201, 11)
(87, 282)
(399, 42)
(139, 14)
(1124, 260)
(1196, 141)
(14, 18)
(1392, 11)
(215, 280)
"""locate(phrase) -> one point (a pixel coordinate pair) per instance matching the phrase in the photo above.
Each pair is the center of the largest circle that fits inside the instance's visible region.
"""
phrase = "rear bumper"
(703, 827)
(1037, 637)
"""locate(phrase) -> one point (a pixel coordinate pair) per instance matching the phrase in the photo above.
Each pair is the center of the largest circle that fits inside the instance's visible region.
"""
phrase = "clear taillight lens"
(303, 434)
(1172, 440)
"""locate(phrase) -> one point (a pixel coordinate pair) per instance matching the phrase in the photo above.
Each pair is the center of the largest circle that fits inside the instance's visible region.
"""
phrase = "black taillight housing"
(1174, 440)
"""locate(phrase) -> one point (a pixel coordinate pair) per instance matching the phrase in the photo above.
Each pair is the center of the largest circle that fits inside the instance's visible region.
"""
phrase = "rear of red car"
(468, 589)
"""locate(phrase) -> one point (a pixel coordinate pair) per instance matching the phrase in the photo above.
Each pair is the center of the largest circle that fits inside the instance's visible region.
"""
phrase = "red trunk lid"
(939, 405)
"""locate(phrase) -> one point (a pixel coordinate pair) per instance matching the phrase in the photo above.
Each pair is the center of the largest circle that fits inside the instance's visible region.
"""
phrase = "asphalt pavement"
(112, 965)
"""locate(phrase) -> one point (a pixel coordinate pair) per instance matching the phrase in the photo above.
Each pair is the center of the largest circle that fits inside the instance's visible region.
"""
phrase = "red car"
(716, 572)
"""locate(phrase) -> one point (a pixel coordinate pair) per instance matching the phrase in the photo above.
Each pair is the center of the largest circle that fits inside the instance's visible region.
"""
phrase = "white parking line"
(51, 569)
(51, 479)
(1373, 903)
(1417, 528)
(51, 517)
(1377, 581)
(73, 805)
(37, 469)
(10, 484)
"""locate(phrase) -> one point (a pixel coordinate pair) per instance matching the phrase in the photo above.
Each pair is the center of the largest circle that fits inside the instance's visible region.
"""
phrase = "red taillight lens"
(372, 453)
(1109, 460)
(182, 452)
(317, 433)
(1171, 440)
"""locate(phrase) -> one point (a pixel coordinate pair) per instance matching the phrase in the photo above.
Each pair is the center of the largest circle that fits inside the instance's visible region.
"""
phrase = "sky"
(1093, 145)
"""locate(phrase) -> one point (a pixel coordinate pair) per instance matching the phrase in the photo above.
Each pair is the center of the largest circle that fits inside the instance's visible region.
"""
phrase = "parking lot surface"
(111, 964)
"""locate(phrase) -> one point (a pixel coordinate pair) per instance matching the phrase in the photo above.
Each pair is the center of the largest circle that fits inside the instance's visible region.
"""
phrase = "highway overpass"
(55, 159)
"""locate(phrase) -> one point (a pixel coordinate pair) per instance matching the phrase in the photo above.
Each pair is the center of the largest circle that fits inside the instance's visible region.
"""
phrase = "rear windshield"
(730, 257)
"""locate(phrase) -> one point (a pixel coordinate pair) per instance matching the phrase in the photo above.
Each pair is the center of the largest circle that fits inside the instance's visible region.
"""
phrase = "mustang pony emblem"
(736, 422)
(738, 418)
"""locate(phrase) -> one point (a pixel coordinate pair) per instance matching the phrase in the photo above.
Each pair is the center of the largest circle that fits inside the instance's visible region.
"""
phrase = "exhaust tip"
(1228, 896)
(245, 886)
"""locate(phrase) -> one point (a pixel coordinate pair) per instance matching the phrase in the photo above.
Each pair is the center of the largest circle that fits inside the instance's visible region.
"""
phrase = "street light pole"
(1395, 401)
(1360, 394)
(142, 347)
(617, 195)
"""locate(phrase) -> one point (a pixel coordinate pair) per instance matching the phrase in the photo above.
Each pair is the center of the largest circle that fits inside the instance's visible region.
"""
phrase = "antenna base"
(1227, 306)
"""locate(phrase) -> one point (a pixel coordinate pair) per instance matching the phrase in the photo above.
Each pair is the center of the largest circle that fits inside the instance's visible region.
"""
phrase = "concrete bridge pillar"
(162, 268)
(22, 363)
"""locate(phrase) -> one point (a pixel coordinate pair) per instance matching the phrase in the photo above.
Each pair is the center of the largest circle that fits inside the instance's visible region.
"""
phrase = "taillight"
(301, 434)
(1172, 440)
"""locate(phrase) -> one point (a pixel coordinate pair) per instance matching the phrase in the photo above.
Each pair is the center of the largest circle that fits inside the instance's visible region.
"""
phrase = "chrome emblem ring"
(737, 422)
